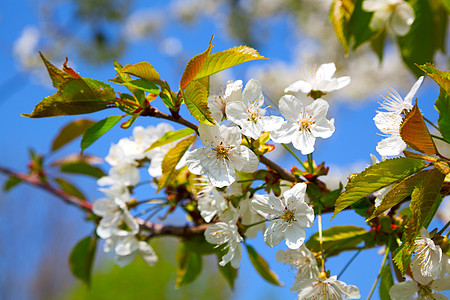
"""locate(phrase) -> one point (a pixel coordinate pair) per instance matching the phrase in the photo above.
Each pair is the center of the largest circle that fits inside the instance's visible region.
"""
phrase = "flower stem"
(321, 240)
(295, 155)
(254, 224)
(386, 254)
(349, 263)
(311, 163)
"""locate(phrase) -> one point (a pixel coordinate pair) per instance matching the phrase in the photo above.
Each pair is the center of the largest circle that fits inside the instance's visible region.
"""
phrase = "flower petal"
(295, 235)
(274, 233)
(268, 206)
(304, 141)
(303, 86)
(243, 159)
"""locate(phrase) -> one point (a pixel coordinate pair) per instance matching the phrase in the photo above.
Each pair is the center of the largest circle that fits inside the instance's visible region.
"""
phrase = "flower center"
(288, 215)
(306, 123)
(222, 151)
(253, 115)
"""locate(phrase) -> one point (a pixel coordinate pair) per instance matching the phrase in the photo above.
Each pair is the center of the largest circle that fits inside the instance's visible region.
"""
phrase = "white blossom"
(398, 13)
(222, 155)
(301, 259)
(303, 124)
(126, 249)
(426, 264)
(321, 287)
(289, 216)
(395, 103)
(389, 123)
(114, 212)
(220, 233)
(248, 113)
(320, 79)
(406, 290)
(218, 103)
(249, 216)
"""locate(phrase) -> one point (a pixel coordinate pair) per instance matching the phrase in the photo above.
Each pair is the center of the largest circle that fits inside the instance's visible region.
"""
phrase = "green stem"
(295, 155)
(431, 123)
(321, 240)
(311, 163)
(254, 224)
(386, 254)
(349, 262)
(438, 137)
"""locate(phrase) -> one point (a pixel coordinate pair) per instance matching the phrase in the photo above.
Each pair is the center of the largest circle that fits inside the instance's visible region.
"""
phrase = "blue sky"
(355, 138)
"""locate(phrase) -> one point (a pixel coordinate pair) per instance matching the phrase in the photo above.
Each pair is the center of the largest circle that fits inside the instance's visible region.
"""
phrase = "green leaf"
(170, 137)
(262, 267)
(171, 160)
(57, 76)
(414, 132)
(340, 13)
(70, 132)
(143, 70)
(69, 188)
(189, 265)
(337, 239)
(418, 45)
(376, 177)
(94, 132)
(226, 59)
(433, 210)
(82, 168)
(11, 182)
(422, 201)
(141, 84)
(386, 282)
(229, 273)
(443, 107)
(77, 96)
(359, 25)
(196, 99)
(194, 65)
(399, 193)
(377, 44)
(82, 257)
(441, 77)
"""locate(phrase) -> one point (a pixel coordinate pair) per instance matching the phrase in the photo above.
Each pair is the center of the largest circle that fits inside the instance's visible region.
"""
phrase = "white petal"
(290, 107)
(252, 93)
(318, 109)
(271, 123)
(198, 159)
(349, 291)
(303, 86)
(409, 98)
(295, 235)
(103, 206)
(208, 135)
(403, 290)
(373, 5)
(233, 91)
(379, 19)
(221, 173)
(342, 82)
(323, 128)
(326, 71)
(285, 133)
(402, 18)
(217, 233)
(243, 159)
(147, 253)
(126, 246)
(236, 112)
(304, 141)
(274, 233)
(268, 206)
(297, 192)
(441, 284)
(122, 261)
(391, 146)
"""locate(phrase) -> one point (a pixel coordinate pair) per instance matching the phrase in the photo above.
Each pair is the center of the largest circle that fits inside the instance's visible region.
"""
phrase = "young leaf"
(11, 182)
(171, 160)
(441, 77)
(359, 25)
(341, 11)
(377, 44)
(375, 177)
(337, 239)
(70, 132)
(228, 272)
(196, 99)
(414, 132)
(189, 265)
(386, 282)
(443, 107)
(77, 96)
(170, 137)
(141, 84)
(194, 65)
(226, 59)
(143, 70)
(57, 76)
(82, 257)
(432, 211)
(82, 168)
(422, 200)
(69, 188)
(94, 132)
(262, 267)
(398, 193)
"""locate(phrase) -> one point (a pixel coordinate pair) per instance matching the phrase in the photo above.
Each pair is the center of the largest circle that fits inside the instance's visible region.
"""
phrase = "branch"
(155, 228)
(154, 112)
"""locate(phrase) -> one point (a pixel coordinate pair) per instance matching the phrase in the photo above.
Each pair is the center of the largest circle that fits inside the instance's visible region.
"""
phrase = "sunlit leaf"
(77, 96)
(386, 282)
(170, 137)
(398, 193)
(194, 65)
(196, 99)
(376, 177)
(94, 132)
(414, 132)
(337, 239)
(359, 25)
(262, 267)
(57, 76)
(143, 70)
(11, 182)
(82, 257)
(229, 273)
(441, 77)
(70, 132)
(141, 84)
(223, 60)
(443, 107)
(69, 188)
(340, 13)
(171, 160)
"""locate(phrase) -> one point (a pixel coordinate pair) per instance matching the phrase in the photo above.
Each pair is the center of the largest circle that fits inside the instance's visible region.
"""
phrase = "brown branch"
(156, 229)
(282, 172)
